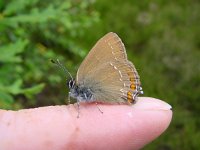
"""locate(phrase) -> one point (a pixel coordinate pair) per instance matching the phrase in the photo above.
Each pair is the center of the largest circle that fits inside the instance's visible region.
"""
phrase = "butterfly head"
(71, 83)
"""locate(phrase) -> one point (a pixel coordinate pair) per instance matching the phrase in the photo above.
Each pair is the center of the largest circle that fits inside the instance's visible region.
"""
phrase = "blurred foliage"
(32, 32)
(161, 38)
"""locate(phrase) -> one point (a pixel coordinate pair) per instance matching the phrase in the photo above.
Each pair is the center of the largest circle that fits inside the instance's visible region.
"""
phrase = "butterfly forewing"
(103, 51)
(107, 72)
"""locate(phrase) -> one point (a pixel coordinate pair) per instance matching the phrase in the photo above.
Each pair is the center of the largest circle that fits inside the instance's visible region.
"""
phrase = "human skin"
(58, 128)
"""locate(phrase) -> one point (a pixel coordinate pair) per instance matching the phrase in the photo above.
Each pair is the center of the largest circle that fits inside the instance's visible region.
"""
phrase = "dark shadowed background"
(162, 39)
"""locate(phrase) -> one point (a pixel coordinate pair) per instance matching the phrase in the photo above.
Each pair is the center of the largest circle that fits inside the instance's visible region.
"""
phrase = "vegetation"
(161, 37)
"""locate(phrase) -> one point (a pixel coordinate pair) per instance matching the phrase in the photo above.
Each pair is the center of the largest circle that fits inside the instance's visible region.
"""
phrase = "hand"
(58, 128)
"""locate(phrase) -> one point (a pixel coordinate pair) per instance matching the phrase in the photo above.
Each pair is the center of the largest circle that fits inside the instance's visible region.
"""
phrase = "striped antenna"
(57, 62)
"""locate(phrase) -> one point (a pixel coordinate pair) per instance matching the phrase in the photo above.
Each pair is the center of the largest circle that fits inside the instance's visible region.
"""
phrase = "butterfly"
(106, 75)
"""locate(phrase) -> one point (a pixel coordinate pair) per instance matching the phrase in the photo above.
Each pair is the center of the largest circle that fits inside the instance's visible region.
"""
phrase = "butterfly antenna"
(57, 62)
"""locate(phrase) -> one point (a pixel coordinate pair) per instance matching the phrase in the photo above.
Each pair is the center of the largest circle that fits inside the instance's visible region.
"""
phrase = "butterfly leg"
(68, 102)
(78, 109)
(99, 108)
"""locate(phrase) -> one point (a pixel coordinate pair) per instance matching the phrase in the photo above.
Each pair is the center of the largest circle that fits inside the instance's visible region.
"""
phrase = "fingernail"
(147, 103)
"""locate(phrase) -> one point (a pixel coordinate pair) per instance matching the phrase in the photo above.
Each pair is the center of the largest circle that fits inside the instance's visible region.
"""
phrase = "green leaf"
(14, 88)
(29, 92)
(21, 5)
(6, 100)
(36, 16)
(9, 52)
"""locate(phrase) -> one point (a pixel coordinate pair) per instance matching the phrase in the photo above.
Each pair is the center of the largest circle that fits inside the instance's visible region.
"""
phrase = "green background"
(162, 38)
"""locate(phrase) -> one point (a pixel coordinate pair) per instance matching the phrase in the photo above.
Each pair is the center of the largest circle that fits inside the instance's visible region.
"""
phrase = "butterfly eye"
(71, 84)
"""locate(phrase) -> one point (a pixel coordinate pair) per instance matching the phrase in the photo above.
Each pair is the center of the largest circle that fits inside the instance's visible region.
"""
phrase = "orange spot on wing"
(129, 93)
(130, 97)
(132, 86)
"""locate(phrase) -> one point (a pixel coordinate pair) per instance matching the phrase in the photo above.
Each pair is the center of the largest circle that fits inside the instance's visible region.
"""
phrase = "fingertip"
(151, 117)
(149, 103)
(122, 126)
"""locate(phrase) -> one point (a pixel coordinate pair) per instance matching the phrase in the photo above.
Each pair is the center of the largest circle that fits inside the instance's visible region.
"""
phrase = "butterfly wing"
(107, 72)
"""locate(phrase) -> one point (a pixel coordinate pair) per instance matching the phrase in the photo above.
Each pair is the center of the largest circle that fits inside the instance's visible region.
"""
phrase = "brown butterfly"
(106, 75)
